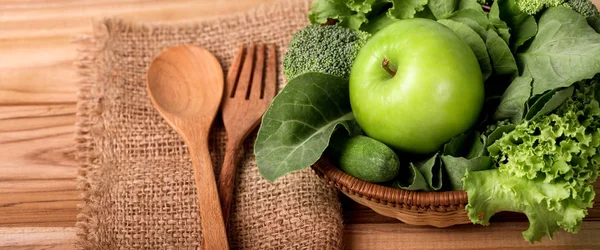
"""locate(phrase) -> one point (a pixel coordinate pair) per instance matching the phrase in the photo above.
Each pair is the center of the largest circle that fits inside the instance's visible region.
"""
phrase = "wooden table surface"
(38, 83)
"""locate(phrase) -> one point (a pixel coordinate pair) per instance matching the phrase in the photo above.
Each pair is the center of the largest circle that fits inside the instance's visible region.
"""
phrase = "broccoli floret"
(327, 49)
(584, 7)
(532, 7)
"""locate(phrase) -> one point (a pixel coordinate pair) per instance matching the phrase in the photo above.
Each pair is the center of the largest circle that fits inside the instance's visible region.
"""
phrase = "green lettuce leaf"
(297, 126)
(322, 10)
(547, 167)
(353, 14)
(565, 50)
(404, 9)
(545, 204)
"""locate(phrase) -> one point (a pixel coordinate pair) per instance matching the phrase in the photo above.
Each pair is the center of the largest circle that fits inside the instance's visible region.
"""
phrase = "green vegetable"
(378, 23)
(512, 105)
(503, 61)
(500, 26)
(404, 9)
(546, 168)
(354, 14)
(368, 159)
(442, 8)
(584, 7)
(463, 153)
(297, 126)
(327, 49)
(523, 25)
(534, 6)
(425, 175)
(548, 102)
(587, 9)
(474, 41)
(445, 169)
(565, 50)
(476, 20)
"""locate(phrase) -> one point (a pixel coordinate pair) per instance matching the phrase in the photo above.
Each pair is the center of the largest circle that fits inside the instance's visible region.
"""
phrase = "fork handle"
(227, 178)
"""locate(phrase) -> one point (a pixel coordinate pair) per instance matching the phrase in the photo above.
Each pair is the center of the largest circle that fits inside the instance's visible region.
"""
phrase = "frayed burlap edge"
(89, 126)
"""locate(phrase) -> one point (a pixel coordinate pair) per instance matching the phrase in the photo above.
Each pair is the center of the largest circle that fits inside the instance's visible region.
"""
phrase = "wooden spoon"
(185, 84)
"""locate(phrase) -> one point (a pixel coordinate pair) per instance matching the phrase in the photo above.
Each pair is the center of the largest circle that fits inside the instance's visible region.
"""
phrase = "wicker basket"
(439, 209)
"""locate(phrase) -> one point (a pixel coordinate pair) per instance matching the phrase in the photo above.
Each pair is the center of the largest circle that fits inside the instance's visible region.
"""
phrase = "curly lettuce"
(546, 168)
(353, 14)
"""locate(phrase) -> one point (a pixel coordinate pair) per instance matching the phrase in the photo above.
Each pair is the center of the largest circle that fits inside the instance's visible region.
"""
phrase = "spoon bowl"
(178, 82)
(185, 84)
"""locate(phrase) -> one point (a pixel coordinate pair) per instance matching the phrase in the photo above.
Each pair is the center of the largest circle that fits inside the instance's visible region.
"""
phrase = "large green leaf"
(474, 41)
(522, 25)
(442, 8)
(498, 133)
(297, 127)
(503, 61)
(425, 175)
(548, 102)
(512, 103)
(476, 20)
(455, 169)
(469, 4)
(565, 50)
(500, 25)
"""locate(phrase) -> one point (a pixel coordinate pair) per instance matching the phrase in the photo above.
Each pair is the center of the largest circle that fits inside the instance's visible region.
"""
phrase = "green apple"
(414, 85)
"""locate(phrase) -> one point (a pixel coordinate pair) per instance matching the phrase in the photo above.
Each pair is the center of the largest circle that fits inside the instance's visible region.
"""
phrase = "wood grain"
(37, 167)
(37, 106)
(500, 235)
(59, 238)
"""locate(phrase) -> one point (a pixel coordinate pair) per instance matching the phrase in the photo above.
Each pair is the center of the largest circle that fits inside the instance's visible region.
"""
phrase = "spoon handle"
(211, 218)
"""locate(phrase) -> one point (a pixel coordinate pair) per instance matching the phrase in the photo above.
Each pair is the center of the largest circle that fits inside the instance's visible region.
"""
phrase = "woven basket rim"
(382, 194)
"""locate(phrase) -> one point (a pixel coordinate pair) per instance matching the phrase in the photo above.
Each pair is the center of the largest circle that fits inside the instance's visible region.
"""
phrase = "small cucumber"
(368, 159)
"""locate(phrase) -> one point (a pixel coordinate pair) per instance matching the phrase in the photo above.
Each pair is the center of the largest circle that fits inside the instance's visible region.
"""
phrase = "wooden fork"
(248, 92)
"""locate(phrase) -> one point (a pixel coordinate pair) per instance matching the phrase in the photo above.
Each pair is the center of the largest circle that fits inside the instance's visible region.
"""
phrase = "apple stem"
(386, 66)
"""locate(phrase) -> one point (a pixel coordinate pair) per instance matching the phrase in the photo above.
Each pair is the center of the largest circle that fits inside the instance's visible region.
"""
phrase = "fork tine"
(270, 88)
(246, 74)
(234, 72)
(257, 77)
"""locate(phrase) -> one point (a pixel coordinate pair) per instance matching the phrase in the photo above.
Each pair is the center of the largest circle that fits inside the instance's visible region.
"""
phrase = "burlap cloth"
(135, 171)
